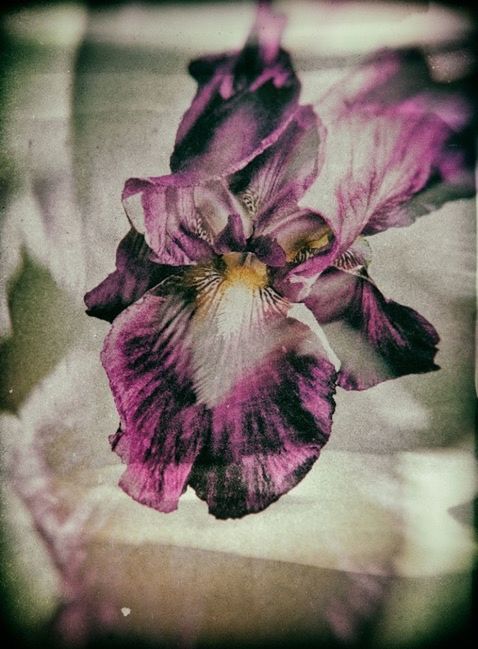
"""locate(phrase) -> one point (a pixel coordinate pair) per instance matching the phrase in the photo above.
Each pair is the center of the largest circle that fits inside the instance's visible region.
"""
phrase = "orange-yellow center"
(307, 247)
(244, 268)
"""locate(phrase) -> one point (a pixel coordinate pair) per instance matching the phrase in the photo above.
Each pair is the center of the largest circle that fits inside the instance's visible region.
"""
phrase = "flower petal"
(242, 98)
(383, 78)
(375, 338)
(376, 160)
(269, 383)
(309, 246)
(439, 138)
(214, 367)
(147, 359)
(184, 220)
(388, 78)
(283, 172)
(136, 272)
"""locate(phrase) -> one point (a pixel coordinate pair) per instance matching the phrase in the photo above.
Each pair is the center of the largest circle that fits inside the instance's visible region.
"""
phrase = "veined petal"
(183, 219)
(269, 383)
(147, 358)
(136, 272)
(374, 81)
(439, 138)
(375, 338)
(242, 98)
(376, 160)
(281, 174)
(211, 376)
(389, 78)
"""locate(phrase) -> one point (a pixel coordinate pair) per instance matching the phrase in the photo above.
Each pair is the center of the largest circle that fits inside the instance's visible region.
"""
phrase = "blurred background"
(375, 548)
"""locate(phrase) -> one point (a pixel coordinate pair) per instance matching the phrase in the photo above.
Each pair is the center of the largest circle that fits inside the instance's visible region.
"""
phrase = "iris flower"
(222, 373)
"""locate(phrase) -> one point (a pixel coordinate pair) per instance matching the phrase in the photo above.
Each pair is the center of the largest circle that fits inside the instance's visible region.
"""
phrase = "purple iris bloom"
(244, 278)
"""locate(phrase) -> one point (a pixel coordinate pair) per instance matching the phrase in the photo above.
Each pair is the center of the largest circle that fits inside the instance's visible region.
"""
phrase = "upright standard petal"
(375, 338)
(217, 386)
(371, 82)
(136, 272)
(280, 175)
(242, 99)
(376, 160)
(389, 82)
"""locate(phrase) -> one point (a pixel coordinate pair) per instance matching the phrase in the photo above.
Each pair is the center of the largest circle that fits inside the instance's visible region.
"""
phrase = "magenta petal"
(182, 218)
(136, 272)
(384, 78)
(375, 338)
(266, 434)
(389, 78)
(281, 174)
(269, 385)
(398, 146)
(218, 388)
(147, 359)
(376, 161)
(163, 209)
(242, 98)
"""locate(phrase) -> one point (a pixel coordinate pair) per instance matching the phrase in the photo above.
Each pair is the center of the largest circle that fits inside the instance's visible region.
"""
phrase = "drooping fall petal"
(136, 272)
(375, 338)
(147, 359)
(212, 376)
(269, 382)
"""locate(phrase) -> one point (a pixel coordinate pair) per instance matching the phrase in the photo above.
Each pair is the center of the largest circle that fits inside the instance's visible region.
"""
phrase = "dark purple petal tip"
(405, 340)
(266, 436)
(242, 98)
(375, 338)
(136, 272)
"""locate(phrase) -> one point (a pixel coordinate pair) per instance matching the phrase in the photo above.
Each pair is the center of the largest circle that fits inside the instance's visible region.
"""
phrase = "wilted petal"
(211, 376)
(376, 160)
(136, 272)
(375, 338)
(184, 220)
(242, 98)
